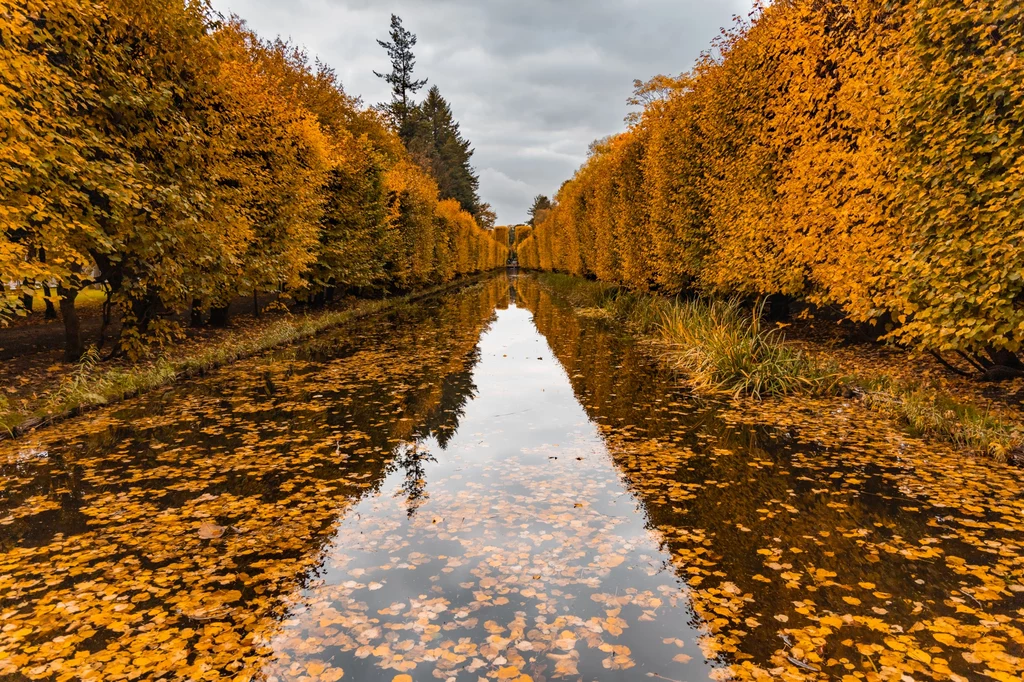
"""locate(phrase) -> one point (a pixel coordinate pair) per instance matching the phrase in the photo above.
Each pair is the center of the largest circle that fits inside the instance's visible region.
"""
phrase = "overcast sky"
(532, 82)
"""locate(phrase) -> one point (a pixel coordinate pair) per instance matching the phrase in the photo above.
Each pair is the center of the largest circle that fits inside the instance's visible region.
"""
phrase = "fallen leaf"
(210, 531)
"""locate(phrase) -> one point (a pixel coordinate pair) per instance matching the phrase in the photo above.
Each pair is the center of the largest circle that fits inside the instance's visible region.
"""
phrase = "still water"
(486, 485)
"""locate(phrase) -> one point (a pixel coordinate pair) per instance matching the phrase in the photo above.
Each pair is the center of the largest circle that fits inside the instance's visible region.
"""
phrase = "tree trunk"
(196, 315)
(27, 301)
(255, 303)
(1004, 365)
(73, 346)
(145, 310)
(778, 308)
(51, 312)
(219, 316)
(1005, 358)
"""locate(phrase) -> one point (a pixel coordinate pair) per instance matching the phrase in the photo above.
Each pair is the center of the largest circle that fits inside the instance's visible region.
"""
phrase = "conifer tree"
(541, 204)
(403, 85)
(437, 144)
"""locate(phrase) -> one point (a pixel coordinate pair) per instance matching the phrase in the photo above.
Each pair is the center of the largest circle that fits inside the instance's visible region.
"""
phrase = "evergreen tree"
(403, 86)
(438, 146)
(541, 205)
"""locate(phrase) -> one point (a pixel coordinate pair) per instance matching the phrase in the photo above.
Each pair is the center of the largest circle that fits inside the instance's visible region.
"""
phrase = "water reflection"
(166, 537)
(525, 555)
(412, 460)
(487, 485)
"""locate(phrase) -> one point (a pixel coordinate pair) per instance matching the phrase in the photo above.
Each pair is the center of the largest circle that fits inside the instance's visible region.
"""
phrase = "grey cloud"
(532, 82)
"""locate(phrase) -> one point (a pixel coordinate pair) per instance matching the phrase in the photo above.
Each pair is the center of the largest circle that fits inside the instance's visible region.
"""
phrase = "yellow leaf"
(611, 560)
(507, 673)
(210, 531)
(832, 621)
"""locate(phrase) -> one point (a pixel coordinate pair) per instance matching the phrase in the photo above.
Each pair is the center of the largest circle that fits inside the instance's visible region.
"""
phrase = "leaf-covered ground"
(455, 492)
(830, 342)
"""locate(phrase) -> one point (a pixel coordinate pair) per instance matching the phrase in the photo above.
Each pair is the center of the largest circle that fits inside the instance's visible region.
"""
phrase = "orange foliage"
(857, 153)
(210, 163)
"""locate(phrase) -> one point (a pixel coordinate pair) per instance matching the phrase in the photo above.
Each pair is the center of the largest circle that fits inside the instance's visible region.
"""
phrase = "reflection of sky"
(526, 463)
(524, 398)
(276, 447)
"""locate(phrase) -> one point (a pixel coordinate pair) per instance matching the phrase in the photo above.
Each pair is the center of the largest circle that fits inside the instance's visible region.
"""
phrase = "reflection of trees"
(457, 389)
(738, 488)
(411, 458)
(275, 469)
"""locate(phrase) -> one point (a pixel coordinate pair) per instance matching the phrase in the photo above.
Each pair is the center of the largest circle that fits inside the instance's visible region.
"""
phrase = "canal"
(487, 485)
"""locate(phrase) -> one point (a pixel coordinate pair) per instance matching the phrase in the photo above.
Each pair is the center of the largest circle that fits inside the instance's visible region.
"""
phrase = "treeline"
(429, 129)
(859, 154)
(178, 160)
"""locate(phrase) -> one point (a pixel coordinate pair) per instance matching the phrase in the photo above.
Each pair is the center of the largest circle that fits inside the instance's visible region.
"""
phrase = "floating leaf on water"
(210, 531)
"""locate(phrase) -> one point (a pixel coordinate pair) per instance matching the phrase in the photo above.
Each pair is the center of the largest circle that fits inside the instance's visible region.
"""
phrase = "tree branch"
(947, 365)
(971, 361)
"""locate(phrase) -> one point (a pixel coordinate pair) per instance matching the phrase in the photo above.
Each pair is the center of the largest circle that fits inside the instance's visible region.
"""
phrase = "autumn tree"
(281, 157)
(48, 182)
(179, 161)
(135, 113)
(957, 281)
(858, 154)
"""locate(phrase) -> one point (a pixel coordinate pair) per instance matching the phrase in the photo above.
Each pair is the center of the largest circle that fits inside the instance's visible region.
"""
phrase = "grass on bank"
(93, 384)
(722, 348)
(719, 346)
(640, 312)
(929, 412)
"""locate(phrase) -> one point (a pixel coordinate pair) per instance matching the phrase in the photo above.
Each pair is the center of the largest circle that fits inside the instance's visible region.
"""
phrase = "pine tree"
(541, 205)
(437, 145)
(403, 86)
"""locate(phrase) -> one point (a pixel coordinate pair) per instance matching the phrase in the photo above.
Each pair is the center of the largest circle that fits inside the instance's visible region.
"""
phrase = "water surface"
(487, 485)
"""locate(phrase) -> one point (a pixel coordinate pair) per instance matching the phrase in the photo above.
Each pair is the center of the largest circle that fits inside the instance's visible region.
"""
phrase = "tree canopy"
(437, 144)
(179, 160)
(403, 85)
(860, 154)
